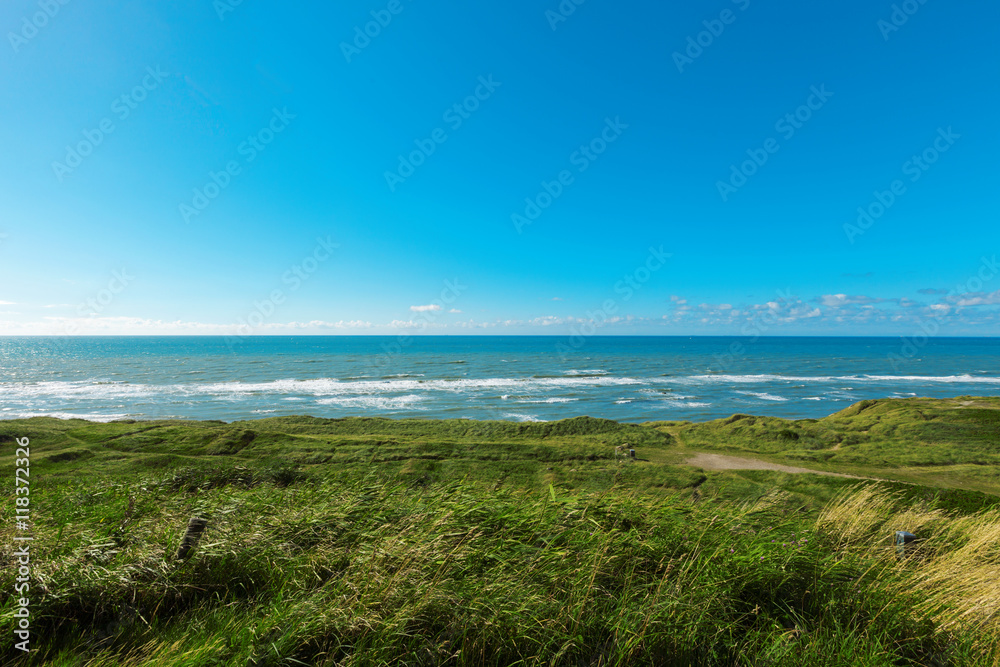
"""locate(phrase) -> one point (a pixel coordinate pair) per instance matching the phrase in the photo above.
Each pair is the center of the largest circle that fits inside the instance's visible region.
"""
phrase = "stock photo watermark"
(915, 167)
(30, 25)
(562, 12)
(122, 107)
(454, 116)
(363, 35)
(582, 158)
(223, 7)
(626, 288)
(957, 297)
(787, 126)
(297, 274)
(93, 306)
(253, 146)
(696, 44)
(760, 323)
(901, 13)
(426, 316)
(22, 522)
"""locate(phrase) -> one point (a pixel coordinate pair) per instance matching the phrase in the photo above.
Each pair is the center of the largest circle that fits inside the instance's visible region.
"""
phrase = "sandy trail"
(722, 462)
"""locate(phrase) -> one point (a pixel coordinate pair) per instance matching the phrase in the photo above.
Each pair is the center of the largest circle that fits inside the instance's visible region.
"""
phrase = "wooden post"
(903, 538)
(195, 527)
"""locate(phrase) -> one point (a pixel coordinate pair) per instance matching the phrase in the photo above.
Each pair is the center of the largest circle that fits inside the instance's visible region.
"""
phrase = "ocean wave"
(751, 379)
(331, 387)
(685, 404)
(407, 384)
(93, 417)
(764, 396)
(964, 378)
(72, 390)
(663, 393)
(521, 417)
(746, 379)
(375, 402)
(557, 399)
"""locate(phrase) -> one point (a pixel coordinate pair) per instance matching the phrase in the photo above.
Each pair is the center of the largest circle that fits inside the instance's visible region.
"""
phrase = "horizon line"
(484, 335)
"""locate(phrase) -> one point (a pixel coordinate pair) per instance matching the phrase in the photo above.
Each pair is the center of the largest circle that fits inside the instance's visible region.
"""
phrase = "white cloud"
(352, 324)
(781, 313)
(121, 325)
(979, 299)
(547, 320)
(415, 324)
(841, 300)
(7, 303)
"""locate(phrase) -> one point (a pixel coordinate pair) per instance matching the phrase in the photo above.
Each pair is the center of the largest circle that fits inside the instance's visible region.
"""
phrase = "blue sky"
(647, 168)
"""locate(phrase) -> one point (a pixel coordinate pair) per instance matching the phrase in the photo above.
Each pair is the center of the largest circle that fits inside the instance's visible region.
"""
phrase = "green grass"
(918, 439)
(425, 542)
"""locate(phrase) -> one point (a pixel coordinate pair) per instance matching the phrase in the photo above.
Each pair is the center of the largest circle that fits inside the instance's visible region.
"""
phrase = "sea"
(522, 378)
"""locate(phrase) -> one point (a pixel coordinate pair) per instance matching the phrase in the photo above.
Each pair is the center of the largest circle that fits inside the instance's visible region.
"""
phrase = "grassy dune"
(937, 442)
(385, 542)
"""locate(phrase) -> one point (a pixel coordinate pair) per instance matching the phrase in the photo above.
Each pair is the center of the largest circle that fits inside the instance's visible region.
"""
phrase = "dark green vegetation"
(384, 542)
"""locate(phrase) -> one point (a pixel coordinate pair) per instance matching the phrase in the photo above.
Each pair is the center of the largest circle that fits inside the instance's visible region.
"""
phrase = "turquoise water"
(478, 377)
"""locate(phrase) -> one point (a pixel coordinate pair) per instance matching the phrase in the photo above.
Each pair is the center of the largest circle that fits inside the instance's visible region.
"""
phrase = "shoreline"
(964, 400)
(946, 443)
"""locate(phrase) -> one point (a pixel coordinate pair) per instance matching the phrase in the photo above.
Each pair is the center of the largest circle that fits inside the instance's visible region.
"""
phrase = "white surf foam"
(750, 379)
(764, 396)
(521, 417)
(685, 404)
(37, 395)
(408, 402)
(93, 417)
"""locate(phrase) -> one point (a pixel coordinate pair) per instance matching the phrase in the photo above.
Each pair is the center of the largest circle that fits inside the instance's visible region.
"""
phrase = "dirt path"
(722, 462)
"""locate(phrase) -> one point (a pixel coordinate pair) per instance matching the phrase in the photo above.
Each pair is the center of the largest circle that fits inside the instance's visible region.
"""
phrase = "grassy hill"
(938, 442)
(382, 542)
